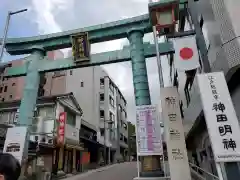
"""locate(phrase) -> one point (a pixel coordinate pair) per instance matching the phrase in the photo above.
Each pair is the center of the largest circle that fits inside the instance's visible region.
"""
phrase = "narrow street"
(126, 171)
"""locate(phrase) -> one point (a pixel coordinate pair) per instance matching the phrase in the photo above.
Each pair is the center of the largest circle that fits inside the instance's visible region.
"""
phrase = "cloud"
(46, 12)
(60, 15)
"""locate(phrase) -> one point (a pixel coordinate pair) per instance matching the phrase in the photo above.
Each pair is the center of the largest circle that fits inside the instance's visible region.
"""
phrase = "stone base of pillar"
(151, 167)
(156, 173)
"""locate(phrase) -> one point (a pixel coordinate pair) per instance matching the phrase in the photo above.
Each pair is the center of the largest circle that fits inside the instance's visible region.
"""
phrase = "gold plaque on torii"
(80, 47)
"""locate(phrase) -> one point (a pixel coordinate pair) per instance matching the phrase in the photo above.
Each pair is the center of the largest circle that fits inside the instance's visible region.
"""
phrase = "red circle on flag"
(186, 53)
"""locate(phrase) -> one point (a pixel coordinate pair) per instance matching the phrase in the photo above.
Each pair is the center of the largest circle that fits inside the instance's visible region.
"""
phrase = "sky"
(50, 16)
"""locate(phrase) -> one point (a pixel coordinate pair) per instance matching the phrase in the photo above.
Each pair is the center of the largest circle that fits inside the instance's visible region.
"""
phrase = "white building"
(99, 98)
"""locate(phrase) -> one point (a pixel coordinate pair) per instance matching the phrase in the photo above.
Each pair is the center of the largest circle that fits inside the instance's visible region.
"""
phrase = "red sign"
(61, 128)
(85, 157)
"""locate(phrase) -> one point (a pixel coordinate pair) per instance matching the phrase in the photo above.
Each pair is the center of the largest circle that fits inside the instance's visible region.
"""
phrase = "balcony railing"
(201, 174)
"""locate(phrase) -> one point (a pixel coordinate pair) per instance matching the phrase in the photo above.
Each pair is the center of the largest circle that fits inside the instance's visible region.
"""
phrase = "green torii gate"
(132, 28)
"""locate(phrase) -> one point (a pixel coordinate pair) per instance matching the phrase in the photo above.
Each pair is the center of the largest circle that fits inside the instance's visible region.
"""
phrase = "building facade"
(94, 90)
(221, 29)
(44, 139)
(12, 88)
(100, 102)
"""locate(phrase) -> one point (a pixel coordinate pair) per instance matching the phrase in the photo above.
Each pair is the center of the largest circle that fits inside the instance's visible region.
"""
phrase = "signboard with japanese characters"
(175, 139)
(61, 128)
(80, 47)
(15, 142)
(148, 131)
(220, 116)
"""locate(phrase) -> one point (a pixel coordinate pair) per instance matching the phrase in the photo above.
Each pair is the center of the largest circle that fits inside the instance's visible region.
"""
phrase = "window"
(45, 112)
(82, 84)
(111, 101)
(5, 89)
(71, 118)
(13, 84)
(71, 72)
(125, 103)
(3, 99)
(121, 137)
(111, 116)
(121, 109)
(1, 89)
(102, 114)
(101, 97)
(125, 126)
(125, 139)
(125, 114)
(10, 96)
(102, 81)
(111, 87)
(102, 131)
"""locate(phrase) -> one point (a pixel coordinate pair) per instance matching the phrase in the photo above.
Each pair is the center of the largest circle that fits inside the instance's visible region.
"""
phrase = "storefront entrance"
(68, 160)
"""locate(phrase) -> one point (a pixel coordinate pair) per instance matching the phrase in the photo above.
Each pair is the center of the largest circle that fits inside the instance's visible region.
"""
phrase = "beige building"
(12, 88)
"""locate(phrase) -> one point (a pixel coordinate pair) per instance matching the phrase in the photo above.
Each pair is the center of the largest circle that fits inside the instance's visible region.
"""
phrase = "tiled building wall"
(12, 88)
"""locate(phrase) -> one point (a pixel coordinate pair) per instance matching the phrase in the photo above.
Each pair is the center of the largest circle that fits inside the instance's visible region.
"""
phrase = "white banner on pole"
(175, 139)
(220, 116)
(148, 131)
(186, 53)
(15, 142)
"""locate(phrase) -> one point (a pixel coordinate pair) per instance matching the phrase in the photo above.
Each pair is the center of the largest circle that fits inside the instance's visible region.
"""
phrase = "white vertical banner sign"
(15, 142)
(175, 139)
(220, 116)
(148, 131)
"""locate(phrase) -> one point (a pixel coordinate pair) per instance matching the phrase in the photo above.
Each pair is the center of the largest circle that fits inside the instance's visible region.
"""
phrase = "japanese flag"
(186, 53)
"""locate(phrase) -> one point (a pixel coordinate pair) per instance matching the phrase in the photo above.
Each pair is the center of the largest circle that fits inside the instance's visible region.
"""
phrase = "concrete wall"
(82, 83)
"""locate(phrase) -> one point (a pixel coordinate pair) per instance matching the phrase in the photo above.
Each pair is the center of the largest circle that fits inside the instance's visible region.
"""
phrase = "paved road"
(123, 171)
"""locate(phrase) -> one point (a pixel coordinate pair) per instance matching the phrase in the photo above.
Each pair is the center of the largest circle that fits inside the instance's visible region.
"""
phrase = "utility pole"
(6, 30)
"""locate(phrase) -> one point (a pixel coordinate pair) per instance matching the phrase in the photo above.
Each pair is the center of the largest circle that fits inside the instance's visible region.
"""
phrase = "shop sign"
(61, 128)
(220, 116)
(15, 142)
(85, 157)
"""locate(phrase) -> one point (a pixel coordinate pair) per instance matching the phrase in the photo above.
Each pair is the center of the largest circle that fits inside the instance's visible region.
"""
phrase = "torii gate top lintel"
(98, 33)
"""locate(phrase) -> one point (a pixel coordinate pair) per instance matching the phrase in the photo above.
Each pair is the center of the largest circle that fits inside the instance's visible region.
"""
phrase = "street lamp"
(6, 30)
(163, 15)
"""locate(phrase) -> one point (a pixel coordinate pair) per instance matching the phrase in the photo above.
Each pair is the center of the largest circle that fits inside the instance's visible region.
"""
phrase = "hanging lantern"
(164, 14)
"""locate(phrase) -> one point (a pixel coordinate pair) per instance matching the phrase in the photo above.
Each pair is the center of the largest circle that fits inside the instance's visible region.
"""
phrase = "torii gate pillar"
(142, 93)
(31, 84)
